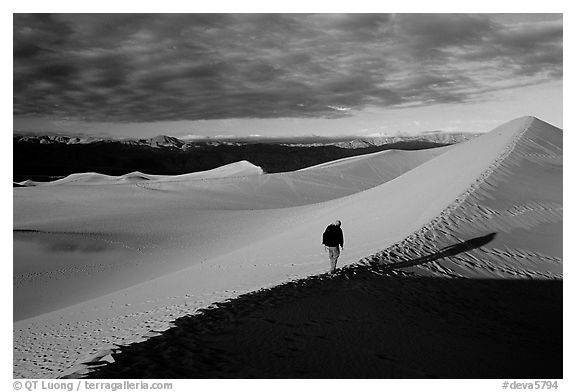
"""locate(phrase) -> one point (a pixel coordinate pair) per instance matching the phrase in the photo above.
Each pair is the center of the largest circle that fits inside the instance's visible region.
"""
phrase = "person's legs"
(334, 253)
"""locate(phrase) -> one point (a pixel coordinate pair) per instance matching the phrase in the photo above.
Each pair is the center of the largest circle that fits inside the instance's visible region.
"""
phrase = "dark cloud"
(432, 33)
(145, 67)
(525, 49)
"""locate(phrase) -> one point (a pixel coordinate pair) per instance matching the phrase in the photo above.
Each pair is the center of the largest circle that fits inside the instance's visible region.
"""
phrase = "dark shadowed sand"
(363, 322)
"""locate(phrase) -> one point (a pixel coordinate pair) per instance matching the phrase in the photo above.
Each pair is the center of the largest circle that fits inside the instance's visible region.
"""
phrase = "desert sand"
(362, 322)
(106, 263)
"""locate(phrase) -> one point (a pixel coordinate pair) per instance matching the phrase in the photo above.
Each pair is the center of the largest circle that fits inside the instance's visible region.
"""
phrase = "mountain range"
(50, 157)
(163, 141)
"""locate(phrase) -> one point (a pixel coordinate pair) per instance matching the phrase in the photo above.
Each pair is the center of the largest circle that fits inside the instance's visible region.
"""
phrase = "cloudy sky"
(283, 74)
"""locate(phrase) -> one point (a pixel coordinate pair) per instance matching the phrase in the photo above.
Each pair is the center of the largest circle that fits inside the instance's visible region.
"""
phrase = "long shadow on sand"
(364, 322)
(451, 250)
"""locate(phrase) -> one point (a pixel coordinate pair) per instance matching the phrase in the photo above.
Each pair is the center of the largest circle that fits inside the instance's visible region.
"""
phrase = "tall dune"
(515, 207)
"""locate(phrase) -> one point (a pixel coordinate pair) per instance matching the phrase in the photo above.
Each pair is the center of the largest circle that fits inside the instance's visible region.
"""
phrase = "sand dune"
(153, 227)
(237, 169)
(138, 255)
(519, 200)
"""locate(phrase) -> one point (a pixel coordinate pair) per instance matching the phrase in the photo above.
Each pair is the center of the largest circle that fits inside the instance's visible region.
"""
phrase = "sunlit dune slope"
(508, 225)
(89, 234)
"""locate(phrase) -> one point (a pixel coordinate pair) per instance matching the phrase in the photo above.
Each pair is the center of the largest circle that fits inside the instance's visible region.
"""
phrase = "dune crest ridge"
(525, 216)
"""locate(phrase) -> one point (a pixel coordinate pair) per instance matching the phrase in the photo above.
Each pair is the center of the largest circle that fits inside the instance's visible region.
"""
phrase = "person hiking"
(333, 239)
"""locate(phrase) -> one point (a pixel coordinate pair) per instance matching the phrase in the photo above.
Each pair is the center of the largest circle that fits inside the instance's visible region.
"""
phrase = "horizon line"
(194, 137)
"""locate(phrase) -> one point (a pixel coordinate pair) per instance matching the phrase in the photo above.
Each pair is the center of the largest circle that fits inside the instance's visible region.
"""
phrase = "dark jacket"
(333, 236)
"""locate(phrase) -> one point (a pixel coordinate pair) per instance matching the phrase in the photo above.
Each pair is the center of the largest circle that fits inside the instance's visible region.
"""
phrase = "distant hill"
(364, 142)
(45, 158)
